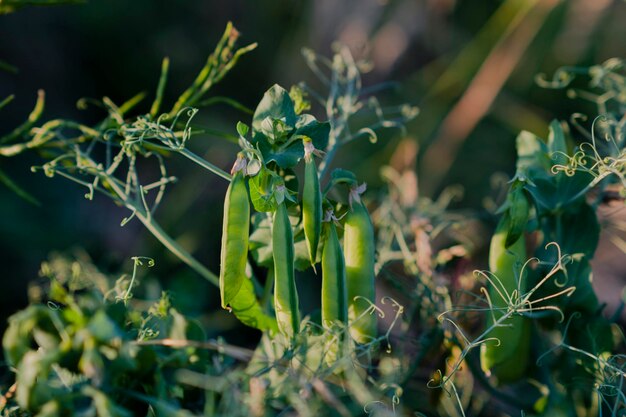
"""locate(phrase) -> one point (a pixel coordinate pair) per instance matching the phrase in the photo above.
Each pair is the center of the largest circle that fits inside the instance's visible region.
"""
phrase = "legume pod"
(359, 252)
(509, 360)
(311, 202)
(285, 293)
(334, 295)
(236, 227)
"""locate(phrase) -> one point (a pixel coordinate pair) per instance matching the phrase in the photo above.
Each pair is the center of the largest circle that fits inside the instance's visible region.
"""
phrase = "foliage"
(9, 6)
(86, 346)
(82, 347)
(529, 331)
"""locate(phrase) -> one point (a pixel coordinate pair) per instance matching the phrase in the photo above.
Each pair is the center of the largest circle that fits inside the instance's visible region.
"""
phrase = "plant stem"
(164, 238)
(176, 248)
(204, 163)
(325, 164)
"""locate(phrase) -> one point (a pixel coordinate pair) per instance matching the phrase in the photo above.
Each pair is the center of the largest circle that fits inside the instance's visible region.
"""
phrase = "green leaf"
(532, 154)
(307, 125)
(289, 153)
(579, 275)
(51, 408)
(553, 193)
(275, 105)
(105, 407)
(343, 176)
(91, 364)
(18, 338)
(242, 129)
(262, 188)
(557, 146)
(103, 328)
(592, 333)
(340, 176)
(278, 131)
(285, 156)
(34, 369)
(576, 230)
(518, 212)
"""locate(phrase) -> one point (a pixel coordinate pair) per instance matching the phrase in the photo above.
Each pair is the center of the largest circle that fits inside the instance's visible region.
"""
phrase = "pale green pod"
(359, 251)
(311, 202)
(509, 359)
(235, 231)
(285, 293)
(334, 293)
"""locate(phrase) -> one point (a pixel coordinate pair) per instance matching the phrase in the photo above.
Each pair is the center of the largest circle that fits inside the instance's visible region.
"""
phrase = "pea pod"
(311, 202)
(359, 251)
(285, 293)
(509, 359)
(236, 228)
(334, 295)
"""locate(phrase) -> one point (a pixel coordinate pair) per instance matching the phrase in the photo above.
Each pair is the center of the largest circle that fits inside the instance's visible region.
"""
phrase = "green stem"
(325, 164)
(204, 163)
(177, 249)
(164, 238)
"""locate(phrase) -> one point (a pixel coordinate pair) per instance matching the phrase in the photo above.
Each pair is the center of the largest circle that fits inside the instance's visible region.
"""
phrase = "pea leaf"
(276, 105)
(103, 328)
(557, 146)
(242, 129)
(532, 155)
(278, 130)
(104, 405)
(262, 188)
(552, 193)
(576, 230)
(307, 125)
(24, 327)
(340, 176)
(289, 153)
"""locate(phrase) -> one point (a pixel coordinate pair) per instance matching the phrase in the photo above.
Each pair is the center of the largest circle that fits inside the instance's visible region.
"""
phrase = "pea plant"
(528, 334)
(327, 229)
(543, 317)
(284, 227)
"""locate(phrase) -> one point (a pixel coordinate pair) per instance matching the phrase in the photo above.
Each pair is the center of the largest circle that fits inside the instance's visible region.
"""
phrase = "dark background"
(432, 48)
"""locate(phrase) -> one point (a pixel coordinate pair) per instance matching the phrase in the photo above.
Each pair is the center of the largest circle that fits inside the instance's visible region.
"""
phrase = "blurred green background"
(469, 65)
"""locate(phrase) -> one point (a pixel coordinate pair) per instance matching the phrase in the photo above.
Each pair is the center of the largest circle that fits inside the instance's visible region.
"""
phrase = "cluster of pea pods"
(347, 268)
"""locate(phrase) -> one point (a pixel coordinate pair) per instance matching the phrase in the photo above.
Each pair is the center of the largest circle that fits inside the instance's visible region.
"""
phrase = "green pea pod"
(285, 293)
(236, 289)
(334, 295)
(359, 251)
(236, 228)
(509, 359)
(311, 202)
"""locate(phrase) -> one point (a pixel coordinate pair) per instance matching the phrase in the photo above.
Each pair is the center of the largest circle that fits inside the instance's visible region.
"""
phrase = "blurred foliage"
(69, 58)
(89, 355)
(470, 66)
